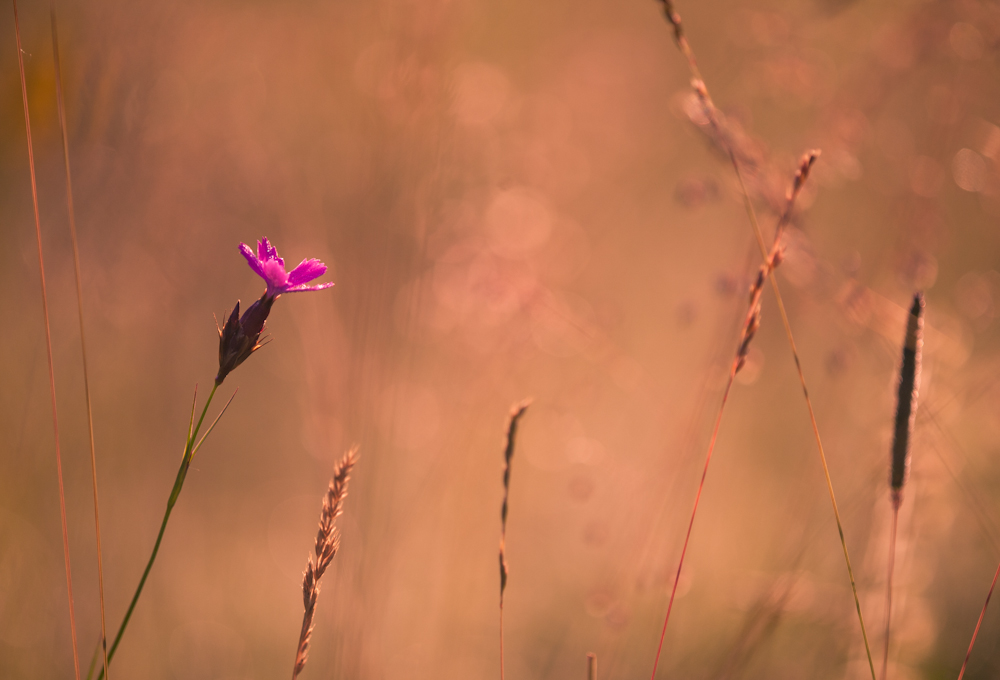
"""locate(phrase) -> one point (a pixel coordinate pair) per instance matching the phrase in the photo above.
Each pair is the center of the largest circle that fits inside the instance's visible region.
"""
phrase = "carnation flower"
(271, 268)
(240, 337)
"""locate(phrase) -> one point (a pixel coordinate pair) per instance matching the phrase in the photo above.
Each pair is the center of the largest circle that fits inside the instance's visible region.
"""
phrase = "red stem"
(897, 499)
(48, 344)
(979, 623)
(687, 537)
(501, 640)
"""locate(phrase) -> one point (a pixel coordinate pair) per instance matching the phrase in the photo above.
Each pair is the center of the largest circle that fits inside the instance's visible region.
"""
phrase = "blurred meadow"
(514, 199)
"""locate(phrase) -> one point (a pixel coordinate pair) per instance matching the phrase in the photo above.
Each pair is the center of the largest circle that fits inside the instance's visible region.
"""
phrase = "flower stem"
(171, 501)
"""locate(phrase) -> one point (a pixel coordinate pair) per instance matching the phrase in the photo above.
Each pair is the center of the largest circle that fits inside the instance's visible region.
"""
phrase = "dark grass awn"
(516, 411)
(906, 411)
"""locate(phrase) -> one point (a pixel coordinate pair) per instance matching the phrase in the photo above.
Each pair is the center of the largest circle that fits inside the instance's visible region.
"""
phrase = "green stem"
(171, 501)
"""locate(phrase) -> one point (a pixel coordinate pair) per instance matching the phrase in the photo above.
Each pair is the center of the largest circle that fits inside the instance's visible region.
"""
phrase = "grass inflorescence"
(516, 411)
(906, 412)
(327, 544)
(724, 137)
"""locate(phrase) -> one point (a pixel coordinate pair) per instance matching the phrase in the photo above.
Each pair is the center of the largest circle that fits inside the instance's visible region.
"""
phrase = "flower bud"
(240, 336)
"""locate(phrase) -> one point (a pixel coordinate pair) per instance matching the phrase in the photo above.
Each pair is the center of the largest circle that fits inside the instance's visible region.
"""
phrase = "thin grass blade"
(48, 344)
(61, 105)
(214, 423)
(979, 623)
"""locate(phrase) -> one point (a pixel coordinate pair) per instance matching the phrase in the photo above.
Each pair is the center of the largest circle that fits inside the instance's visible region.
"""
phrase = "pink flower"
(240, 336)
(271, 268)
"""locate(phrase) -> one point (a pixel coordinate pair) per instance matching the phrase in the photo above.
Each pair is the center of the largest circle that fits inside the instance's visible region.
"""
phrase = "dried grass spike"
(802, 174)
(327, 544)
(516, 411)
(674, 18)
(906, 405)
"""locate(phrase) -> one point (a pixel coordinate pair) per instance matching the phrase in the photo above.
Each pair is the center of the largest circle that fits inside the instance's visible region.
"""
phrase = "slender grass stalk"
(812, 418)
(750, 326)
(906, 411)
(48, 345)
(591, 666)
(516, 411)
(190, 449)
(888, 587)
(979, 623)
(61, 105)
(700, 88)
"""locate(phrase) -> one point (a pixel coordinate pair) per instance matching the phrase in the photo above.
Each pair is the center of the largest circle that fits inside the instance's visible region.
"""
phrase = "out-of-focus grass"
(512, 202)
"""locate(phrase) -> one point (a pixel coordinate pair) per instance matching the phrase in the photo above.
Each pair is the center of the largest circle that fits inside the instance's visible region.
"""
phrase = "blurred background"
(513, 200)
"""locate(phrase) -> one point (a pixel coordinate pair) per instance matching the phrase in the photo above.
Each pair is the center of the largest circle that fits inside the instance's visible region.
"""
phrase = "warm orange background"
(513, 203)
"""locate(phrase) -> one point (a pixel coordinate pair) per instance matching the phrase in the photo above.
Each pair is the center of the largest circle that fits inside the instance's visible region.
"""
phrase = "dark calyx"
(239, 338)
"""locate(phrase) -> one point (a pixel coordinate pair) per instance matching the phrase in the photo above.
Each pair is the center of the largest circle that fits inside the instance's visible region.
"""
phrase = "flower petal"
(252, 259)
(305, 271)
(265, 251)
(303, 288)
(276, 277)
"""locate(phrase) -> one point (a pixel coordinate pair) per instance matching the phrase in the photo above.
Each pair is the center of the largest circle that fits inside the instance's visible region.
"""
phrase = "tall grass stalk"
(750, 325)
(190, 449)
(699, 85)
(906, 411)
(812, 416)
(516, 411)
(48, 345)
(896, 502)
(61, 105)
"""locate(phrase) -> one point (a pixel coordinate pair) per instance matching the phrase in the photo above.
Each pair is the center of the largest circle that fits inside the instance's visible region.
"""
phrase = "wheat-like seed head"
(327, 544)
